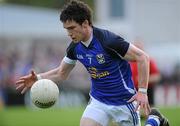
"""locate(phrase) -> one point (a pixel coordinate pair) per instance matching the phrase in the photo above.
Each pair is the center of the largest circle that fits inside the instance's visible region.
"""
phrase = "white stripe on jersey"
(124, 83)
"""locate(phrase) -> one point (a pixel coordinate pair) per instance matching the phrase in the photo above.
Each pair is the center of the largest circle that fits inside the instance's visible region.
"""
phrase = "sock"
(152, 121)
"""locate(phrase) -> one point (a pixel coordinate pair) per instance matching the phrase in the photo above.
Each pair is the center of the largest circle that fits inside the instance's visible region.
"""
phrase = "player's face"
(76, 31)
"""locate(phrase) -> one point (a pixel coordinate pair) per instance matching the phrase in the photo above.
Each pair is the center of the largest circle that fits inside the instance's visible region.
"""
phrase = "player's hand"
(25, 82)
(142, 102)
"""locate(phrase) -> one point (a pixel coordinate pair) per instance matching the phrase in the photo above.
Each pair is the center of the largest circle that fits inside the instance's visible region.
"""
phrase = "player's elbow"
(144, 58)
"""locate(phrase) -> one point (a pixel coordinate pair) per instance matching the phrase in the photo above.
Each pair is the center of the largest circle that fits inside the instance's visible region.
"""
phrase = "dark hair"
(76, 11)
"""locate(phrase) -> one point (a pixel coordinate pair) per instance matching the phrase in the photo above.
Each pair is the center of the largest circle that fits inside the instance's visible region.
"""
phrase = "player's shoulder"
(103, 34)
(111, 41)
(106, 37)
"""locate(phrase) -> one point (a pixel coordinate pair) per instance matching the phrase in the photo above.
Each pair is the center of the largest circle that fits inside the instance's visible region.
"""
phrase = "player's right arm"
(57, 75)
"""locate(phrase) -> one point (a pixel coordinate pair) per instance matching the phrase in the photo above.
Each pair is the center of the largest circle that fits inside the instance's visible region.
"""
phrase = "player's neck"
(88, 34)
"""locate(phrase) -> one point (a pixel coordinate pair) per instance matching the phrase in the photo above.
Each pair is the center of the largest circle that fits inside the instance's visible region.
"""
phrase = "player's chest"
(94, 56)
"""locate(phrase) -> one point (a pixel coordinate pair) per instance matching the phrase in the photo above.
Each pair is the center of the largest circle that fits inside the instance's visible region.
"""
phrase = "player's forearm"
(58, 74)
(143, 71)
(52, 75)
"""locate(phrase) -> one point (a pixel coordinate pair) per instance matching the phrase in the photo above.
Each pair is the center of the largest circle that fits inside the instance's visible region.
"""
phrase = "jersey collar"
(88, 42)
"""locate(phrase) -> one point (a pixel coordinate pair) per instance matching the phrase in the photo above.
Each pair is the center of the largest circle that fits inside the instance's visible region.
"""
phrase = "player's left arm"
(118, 46)
(135, 54)
(128, 51)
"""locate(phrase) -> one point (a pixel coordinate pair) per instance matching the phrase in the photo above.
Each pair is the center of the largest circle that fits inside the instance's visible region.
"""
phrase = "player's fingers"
(19, 86)
(19, 82)
(148, 108)
(33, 73)
(24, 90)
(141, 106)
(23, 78)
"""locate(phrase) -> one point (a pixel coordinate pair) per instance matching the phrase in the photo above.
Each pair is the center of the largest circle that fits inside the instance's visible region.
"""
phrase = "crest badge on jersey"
(100, 58)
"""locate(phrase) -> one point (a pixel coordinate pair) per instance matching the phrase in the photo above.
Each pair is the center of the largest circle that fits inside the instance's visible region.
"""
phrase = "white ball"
(44, 93)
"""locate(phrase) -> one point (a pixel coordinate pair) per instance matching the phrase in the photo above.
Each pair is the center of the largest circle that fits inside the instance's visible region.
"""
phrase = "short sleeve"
(70, 51)
(118, 44)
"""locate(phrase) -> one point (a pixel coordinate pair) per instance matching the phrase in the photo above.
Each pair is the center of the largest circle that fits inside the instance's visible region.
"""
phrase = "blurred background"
(32, 37)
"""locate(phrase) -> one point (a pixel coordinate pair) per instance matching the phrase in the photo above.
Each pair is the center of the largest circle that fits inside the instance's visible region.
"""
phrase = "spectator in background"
(154, 76)
(176, 73)
(1, 100)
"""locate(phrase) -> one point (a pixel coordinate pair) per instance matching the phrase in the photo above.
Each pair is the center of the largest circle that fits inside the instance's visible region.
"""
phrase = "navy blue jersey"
(110, 74)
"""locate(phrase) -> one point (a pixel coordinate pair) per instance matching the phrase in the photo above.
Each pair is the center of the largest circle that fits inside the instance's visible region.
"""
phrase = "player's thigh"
(94, 115)
(88, 122)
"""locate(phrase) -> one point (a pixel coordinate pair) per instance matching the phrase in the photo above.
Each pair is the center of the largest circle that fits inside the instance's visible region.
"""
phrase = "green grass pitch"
(20, 116)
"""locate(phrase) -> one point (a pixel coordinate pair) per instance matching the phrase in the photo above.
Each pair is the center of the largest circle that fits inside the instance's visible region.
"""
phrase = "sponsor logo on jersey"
(100, 58)
(95, 74)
